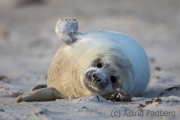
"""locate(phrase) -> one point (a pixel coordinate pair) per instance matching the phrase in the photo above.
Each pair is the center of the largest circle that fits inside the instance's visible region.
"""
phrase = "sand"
(28, 44)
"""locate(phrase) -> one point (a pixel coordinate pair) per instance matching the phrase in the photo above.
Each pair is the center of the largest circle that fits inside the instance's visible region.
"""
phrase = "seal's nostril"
(94, 76)
(98, 80)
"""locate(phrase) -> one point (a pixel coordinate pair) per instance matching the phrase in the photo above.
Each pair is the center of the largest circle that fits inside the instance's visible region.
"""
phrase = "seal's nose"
(95, 78)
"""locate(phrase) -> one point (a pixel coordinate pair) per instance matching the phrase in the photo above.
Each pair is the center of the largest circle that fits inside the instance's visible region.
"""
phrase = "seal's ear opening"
(67, 30)
(113, 78)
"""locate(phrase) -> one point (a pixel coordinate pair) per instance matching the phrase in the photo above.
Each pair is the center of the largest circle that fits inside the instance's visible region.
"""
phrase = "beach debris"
(83, 109)
(2, 110)
(158, 100)
(157, 68)
(120, 96)
(149, 101)
(71, 98)
(152, 60)
(153, 100)
(39, 111)
(4, 79)
(4, 34)
(140, 107)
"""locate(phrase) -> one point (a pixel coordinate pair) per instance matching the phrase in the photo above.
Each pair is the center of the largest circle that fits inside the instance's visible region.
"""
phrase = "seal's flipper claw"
(44, 94)
(39, 87)
(67, 30)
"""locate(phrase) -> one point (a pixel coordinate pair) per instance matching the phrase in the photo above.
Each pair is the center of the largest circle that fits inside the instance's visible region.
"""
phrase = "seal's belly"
(64, 75)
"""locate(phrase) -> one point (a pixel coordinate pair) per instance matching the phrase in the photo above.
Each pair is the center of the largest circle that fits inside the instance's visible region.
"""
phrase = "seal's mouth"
(92, 87)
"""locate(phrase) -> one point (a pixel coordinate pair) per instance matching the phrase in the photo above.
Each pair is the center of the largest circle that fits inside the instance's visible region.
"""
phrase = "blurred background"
(28, 42)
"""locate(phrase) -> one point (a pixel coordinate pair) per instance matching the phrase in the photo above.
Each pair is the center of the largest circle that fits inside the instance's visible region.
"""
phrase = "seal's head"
(99, 79)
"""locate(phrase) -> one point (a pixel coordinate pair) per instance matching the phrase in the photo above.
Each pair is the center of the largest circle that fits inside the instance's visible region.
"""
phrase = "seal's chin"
(96, 86)
(98, 90)
(93, 88)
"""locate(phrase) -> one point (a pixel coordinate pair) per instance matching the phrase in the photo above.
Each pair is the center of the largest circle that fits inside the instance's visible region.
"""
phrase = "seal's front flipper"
(39, 87)
(44, 94)
(171, 91)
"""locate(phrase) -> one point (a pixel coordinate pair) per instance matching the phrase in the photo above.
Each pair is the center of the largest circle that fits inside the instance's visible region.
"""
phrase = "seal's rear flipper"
(67, 30)
(44, 94)
(39, 87)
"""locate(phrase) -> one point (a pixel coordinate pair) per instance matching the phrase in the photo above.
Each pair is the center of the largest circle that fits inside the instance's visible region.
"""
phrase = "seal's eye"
(98, 62)
(113, 79)
(100, 65)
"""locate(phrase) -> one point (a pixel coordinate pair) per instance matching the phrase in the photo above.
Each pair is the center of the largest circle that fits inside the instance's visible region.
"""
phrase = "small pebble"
(149, 102)
(39, 111)
(152, 60)
(83, 109)
(158, 100)
(2, 110)
(71, 98)
(4, 79)
(157, 68)
(141, 105)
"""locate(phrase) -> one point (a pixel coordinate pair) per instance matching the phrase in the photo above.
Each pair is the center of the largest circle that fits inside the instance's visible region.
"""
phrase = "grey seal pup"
(96, 62)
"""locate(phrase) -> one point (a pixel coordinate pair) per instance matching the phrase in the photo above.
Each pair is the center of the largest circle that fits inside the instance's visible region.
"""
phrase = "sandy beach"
(28, 44)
